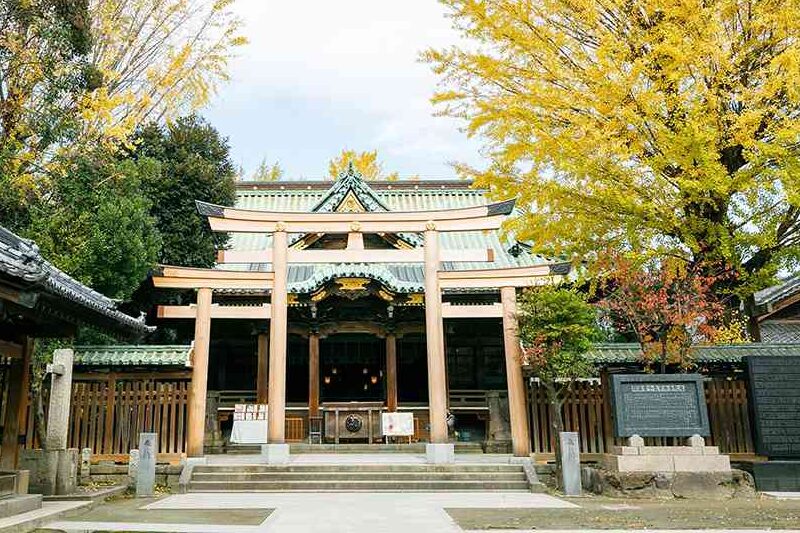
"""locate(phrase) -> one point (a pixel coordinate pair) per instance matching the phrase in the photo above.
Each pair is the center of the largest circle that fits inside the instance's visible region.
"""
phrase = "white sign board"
(397, 424)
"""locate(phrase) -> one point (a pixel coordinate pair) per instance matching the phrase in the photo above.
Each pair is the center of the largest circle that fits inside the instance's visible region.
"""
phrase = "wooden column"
(313, 374)
(517, 405)
(277, 341)
(195, 432)
(437, 376)
(391, 372)
(263, 368)
(17, 409)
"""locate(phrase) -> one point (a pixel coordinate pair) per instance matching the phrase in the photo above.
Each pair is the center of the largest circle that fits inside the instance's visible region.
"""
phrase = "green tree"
(195, 165)
(557, 327)
(43, 70)
(666, 128)
(97, 226)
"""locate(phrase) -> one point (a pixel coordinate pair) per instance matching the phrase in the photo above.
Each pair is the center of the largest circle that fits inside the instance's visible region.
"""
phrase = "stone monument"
(499, 437)
(775, 397)
(570, 463)
(146, 471)
(661, 405)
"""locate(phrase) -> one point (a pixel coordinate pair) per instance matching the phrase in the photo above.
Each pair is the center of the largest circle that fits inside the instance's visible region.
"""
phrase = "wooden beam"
(258, 312)
(262, 374)
(434, 339)
(385, 220)
(10, 349)
(196, 410)
(502, 277)
(472, 311)
(354, 255)
(313, 374)
(209, 278)
(517, 402)
(391, 372)
(354, 220)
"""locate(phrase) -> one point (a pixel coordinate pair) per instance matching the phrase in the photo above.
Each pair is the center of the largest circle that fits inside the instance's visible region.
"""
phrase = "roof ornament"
(350, 172)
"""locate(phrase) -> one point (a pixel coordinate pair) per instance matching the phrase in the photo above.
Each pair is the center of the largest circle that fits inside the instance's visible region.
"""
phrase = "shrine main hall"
(335, 302)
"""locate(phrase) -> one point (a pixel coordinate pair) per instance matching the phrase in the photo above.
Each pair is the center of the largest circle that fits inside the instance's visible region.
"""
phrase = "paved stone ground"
(325, 512)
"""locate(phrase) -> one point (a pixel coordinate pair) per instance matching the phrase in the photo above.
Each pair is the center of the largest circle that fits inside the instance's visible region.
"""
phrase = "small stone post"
(86, 465)
(133, 466)
(146, 475)
(570, 463)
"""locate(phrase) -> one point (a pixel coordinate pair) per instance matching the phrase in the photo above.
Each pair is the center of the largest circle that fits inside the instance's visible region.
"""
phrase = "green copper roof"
(375, 196)
(620, 353)
(134, 355)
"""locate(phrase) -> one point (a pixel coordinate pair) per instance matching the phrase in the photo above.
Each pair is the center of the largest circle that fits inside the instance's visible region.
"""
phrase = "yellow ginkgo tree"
(366, 163)
(658, 127)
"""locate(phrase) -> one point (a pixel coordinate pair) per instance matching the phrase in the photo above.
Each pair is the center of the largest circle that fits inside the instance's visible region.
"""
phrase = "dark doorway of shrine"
(352, 368)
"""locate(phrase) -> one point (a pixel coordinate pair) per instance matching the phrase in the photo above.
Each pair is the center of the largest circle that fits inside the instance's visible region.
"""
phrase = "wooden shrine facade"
(352, 230)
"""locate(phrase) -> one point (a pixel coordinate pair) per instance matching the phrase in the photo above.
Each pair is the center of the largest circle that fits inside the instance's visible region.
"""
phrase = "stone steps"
(299, 448)
(388, 485)
(358, 477)
(315, 468)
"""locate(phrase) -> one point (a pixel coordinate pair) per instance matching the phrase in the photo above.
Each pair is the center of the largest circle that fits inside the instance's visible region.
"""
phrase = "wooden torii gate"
(429, 223)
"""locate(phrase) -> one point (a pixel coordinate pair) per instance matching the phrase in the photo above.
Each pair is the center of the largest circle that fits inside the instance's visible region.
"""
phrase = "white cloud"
(318, 76)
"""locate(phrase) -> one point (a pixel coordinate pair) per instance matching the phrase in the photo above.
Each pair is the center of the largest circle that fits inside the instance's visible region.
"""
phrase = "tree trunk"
(557, 424)
(40, 428)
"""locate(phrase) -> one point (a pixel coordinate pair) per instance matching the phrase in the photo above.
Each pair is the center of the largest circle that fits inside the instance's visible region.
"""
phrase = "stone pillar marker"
(60, 394)
(570, 463)
(146, 473)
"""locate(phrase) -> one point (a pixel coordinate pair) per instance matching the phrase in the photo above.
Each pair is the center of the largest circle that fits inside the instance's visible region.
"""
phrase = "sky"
(319, 75)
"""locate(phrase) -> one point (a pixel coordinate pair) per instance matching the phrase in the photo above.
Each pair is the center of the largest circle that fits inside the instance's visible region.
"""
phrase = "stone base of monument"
(779, 476)
(51, 472)
(440, 453)
(497, 446)
(686, 485)
(275, 454)
(695, 457)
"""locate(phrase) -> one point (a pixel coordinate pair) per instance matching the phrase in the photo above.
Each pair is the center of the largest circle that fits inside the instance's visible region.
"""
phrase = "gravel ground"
(606, 513)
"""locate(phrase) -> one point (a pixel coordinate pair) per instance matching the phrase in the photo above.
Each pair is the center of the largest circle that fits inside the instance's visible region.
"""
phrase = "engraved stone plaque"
(659, 405)
(775, 397)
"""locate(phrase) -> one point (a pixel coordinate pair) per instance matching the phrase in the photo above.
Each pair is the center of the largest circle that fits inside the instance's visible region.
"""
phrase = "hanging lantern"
(327, 380)
(334, 370)
(374, 379)
(365, 371)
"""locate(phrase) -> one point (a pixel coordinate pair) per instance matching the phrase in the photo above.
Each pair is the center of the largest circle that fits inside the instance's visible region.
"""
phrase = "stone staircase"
(359, 477)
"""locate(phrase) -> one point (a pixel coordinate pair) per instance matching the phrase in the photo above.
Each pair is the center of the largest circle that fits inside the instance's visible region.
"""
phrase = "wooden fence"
(588, 411)
(107, 414)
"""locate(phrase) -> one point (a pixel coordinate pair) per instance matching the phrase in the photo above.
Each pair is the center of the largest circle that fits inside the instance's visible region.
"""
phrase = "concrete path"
(33, 519)
(783, 495)
(330, 512)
